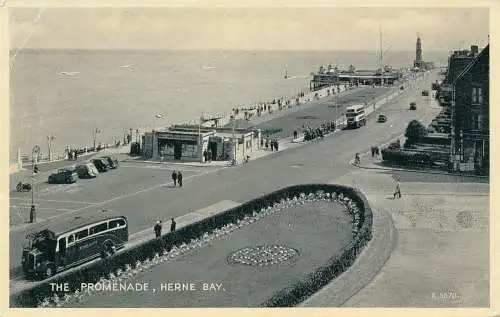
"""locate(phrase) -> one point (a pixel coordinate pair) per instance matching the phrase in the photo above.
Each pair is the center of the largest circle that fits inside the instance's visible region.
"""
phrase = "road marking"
(39, 208)
(20, 228)
(56, 201)
(161, 168)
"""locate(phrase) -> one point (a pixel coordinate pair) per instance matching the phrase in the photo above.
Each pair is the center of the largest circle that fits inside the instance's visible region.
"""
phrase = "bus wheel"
(49, 271)
(108, 249)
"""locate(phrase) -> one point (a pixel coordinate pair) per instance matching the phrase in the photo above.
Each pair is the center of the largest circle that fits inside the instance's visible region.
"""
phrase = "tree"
(415, 131)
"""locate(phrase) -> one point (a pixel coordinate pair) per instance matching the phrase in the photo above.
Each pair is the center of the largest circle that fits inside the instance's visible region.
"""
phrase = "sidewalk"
(440, 257)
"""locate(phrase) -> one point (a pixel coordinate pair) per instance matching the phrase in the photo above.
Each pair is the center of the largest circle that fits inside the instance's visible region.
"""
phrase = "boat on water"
(208, 67)
(68, 73)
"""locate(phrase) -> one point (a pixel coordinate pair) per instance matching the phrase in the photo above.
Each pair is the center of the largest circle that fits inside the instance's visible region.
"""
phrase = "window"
(99, 228)
(475, 122)
(81, 234)
(477, 95)
(71, 239)
(116, 223)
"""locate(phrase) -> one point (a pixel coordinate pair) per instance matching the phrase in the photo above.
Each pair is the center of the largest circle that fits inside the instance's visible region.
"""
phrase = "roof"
(69, 223)
(484, 52)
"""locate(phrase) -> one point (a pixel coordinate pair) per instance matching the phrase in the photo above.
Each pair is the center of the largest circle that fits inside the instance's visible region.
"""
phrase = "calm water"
(118, 90)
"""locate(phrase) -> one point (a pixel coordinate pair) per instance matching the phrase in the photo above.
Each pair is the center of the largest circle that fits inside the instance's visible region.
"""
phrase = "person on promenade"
(356, 159)
(294, 134)
(174, 178)
(261, 143)
(157, 229)
(272, 145)
(276, 144)
(397, 192)
(267, 144)
(172, 225)
(179, 178)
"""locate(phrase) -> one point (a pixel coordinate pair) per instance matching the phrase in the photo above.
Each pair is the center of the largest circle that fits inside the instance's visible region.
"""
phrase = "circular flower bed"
(254, 256)
(263, 255)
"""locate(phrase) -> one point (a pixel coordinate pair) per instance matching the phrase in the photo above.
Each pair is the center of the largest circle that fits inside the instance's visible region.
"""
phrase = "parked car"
(413, 106)
(425, 93)
(382, 118)
(66, 175)
(87, 170)
(112, 161)
(101, 164)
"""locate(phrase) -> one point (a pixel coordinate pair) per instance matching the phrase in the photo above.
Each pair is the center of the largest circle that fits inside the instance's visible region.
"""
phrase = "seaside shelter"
(185, 143)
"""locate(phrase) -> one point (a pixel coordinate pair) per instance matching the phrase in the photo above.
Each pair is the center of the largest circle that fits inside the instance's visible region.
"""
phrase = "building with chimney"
(457, 62)
(470, 130)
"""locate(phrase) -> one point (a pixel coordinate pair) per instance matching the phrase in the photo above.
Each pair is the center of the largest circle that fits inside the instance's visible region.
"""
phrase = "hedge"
(289, 296)
(406, 157)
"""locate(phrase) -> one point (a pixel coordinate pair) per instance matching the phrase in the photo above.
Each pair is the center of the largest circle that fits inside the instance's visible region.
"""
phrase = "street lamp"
(50, 138)
(94, 135)
(33, 208)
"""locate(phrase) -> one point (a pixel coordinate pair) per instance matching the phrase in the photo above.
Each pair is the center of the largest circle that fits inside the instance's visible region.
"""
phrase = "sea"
(68, 94)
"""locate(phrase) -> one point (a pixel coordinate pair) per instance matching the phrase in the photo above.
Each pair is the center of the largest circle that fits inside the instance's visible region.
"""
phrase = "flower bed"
(128, 263)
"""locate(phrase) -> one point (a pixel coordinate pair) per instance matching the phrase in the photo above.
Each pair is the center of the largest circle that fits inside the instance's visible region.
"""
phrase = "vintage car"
(382, 118)
(66, 175)
(101, 164)
(413, 106)
(112, 161)
(87, 170)
(425, 93)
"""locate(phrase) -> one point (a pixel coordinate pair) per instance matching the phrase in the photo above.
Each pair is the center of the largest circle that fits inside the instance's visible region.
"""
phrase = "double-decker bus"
(66, 243)
(355, 116)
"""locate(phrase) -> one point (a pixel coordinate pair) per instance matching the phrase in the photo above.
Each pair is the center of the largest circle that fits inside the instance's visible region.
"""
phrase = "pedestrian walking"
(294, 134)
(356, 159)
(272, 145)
(261, 143)
(172, 225)
(267, 144)
(157, 229)
(276, 145)
(179, 178)
(174, 178)
(397, 192)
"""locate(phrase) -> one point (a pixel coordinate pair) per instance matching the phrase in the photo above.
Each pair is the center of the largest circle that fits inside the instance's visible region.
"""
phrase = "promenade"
(144, 193)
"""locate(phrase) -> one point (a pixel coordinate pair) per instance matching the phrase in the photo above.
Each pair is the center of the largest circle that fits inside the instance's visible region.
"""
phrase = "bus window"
(99, 228)
(71, 239)
(116, 223)
(81, 234)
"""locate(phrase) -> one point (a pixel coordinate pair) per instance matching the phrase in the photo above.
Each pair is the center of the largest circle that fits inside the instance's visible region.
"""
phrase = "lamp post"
(50, 138)
(33, 208)
(94, 135)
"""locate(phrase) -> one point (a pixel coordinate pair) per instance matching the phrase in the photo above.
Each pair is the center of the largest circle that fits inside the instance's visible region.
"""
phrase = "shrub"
(414, 131)
(404, 157)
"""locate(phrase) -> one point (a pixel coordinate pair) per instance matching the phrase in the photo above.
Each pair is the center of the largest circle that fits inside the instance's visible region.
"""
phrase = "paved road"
(144, 195)
(322, 111)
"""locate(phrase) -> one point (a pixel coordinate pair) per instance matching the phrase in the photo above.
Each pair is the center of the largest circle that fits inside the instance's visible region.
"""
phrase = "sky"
(257, 28)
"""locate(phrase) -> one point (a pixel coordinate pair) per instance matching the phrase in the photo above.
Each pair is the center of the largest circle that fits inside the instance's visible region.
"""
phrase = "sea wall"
(353, 199)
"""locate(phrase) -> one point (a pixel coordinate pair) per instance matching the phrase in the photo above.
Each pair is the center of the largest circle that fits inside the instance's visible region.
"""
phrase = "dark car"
(112, 161)
(67, 175)
(86, 170)
(425, 93)
(413, 106)
(382, 118)
(101, 164)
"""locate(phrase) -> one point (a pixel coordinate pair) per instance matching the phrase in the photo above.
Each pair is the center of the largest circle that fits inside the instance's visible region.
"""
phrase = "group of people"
(158, 227)
(319, 132)
(273, 144)
(177, 178)
(268, 106)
